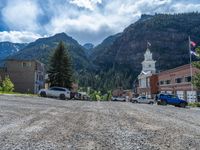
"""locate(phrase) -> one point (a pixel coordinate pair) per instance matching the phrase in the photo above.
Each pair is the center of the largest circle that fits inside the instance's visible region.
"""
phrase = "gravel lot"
(28, 123)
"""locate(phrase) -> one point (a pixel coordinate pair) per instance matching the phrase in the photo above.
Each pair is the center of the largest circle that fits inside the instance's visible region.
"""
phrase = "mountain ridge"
(43, 48)
(8, 48)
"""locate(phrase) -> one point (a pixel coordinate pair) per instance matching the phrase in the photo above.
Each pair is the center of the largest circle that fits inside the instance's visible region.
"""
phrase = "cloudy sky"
(84, 20)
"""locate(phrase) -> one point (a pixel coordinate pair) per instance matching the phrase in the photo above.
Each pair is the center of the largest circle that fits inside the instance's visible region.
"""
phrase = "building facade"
(27, 75)
(148, 78)
(120, 92)
(178, 81)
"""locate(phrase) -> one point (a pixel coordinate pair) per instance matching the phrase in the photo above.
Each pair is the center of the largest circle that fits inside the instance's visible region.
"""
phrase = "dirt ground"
(33, 123)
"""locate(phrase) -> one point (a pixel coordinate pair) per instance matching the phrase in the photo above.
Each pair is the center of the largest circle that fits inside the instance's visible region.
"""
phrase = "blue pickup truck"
(164, 99)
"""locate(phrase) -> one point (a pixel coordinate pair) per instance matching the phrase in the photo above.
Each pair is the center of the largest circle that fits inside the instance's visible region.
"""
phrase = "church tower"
(148, 65)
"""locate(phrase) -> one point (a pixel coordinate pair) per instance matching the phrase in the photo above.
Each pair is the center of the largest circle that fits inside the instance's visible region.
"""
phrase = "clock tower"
(148, 65)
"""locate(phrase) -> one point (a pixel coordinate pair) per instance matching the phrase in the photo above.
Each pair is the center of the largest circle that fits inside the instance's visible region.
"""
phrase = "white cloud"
(85, 20)
(18, 36)
(21, 15)
(88, 4)
(180, 7)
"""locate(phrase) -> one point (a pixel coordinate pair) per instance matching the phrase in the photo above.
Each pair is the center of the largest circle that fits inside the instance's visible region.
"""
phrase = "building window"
(149, 66)
(26, 64)
(179, 80)
(188, 79)
(168, 82)
(161, 82)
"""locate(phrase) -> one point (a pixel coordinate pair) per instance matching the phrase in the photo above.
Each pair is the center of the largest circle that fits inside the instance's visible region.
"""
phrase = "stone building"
(148, 78)
(27, 75)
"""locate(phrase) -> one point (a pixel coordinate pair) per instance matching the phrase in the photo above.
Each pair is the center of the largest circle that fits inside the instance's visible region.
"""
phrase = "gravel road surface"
(33, 123)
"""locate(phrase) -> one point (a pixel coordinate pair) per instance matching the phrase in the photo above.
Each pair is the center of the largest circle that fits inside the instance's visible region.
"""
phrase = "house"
(27, 75)
(178, 81)
(147, 79)
(120, 92)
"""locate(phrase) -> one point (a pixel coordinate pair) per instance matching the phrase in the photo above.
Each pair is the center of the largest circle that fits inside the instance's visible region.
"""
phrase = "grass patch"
(18, 94)
(195, 104)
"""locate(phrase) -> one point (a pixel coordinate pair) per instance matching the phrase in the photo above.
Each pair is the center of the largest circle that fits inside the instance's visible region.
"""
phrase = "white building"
(147, 76)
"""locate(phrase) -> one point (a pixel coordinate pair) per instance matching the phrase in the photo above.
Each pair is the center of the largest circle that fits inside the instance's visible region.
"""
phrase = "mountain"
(168, 35)
(121, 56)
(9, 48)
(88, 48)
(42, 48)
(102, 48)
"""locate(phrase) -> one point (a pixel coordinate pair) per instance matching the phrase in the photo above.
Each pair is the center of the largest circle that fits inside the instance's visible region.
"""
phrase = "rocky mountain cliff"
(9, 48)
(102, 48)
(88, 48)
(42, 48)
(168, 35)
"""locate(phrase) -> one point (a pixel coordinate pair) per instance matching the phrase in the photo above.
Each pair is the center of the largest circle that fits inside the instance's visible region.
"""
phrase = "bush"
(7, 85)
(195, 104)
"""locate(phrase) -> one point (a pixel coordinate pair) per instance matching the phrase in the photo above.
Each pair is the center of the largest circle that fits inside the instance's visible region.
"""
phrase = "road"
(33, 123)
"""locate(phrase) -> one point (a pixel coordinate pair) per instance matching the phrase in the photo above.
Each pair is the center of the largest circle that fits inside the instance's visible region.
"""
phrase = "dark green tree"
(196, 77)
(60, 68)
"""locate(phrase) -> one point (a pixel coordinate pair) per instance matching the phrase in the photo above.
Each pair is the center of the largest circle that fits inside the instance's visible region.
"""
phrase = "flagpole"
(191, 72)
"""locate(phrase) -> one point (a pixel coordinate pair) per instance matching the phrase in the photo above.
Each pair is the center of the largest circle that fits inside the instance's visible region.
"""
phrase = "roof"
(177, 68)
(33, 60)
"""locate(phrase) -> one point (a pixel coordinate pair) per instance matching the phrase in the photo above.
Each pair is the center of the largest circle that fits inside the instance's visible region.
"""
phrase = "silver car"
(119, 98)
(142, 99)
(57, 92)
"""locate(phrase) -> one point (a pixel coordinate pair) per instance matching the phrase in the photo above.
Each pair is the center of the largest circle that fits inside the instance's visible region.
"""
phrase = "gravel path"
(28, 123)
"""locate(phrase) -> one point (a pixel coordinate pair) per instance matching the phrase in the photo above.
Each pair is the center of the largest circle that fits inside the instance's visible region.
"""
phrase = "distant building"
(148, 78)
(178, 81)
(27, 75)
(120, 92)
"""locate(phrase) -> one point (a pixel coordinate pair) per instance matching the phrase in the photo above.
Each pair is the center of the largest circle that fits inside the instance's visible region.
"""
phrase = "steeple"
(148, 65)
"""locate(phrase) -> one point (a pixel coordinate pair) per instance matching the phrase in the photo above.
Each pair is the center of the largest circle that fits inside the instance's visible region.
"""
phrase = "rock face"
(99, 51)
(43, 48)
(168, 35)
(88, 48)
(9, 48)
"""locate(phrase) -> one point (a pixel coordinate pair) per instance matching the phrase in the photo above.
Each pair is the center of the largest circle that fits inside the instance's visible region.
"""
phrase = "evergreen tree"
(196, 77)
(60, 69)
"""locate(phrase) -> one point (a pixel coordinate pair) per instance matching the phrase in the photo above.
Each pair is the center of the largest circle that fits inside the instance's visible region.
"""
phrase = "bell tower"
(148, 65)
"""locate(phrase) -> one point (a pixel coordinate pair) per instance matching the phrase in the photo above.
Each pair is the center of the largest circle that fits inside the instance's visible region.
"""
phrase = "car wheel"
(43, 94)
(151, 103)
(183, 105)
(135, 101)
(163, 102)
(62, 96)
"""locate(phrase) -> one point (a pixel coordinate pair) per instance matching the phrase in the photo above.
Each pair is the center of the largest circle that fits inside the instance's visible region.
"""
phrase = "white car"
(57, 92)
(118, 98)
(142, 99)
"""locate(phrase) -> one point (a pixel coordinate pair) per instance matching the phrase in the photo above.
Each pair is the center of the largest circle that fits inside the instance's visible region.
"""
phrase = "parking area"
(36, 123)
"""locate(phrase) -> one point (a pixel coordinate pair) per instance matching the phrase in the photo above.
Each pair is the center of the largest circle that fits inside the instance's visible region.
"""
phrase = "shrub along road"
(40, 123)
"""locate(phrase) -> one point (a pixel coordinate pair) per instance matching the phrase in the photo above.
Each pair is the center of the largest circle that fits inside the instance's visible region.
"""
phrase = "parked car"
(142, 99)
(164, 99)
(119, 98)
(57, 92)
(81, 96)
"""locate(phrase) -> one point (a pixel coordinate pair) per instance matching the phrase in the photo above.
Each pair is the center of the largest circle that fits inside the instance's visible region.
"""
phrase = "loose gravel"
(34, 123)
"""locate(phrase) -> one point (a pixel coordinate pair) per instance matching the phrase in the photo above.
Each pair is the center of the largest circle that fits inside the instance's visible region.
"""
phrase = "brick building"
(27, 75)
(178, 81)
